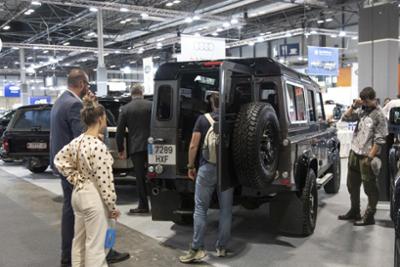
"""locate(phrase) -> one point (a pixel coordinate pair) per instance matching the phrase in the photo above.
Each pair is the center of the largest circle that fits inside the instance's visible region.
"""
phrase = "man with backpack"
(206, 139)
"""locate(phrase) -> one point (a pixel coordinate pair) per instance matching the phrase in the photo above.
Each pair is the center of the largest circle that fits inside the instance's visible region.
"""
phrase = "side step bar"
(324, 180)
(183, 212)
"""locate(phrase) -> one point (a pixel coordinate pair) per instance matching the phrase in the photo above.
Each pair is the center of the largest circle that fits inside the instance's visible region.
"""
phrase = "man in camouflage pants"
(369, 136)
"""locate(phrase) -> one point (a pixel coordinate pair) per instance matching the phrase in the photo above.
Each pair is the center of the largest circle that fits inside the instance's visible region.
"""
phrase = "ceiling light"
(67, 64)
(45, 51)
(234, 21)
(91, 34)
(214, 34)
(67, 43)
(260, 39)
(197, 17)
(128, 20)
(112, 66)
(177, 1)
(342, 33)
(6, 28)
(226, 24)
(188, 20)
(28, 12)
(333, 35)
(144, 15)
(220, 30)
(15, 48)
(93, 9)
(117, 52)
(197, 34)
(320, 21)
(35, 48)
(123, 9)
(126, 69)
(160, 39)
(28, 58)
(288, 34)
(36, 3)
(122, 21)
(129, 48)
(141, 50)
(329, 19)
(159, 45)
(16, 62)
(262, 34)
(354, 38)
(6, 67)
(251, 43)
(313, 32)
(169, 4)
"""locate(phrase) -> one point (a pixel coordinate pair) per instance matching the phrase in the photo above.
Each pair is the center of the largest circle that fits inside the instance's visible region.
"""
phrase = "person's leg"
(67, 221)
(370, 188)
(353, 186)
(96, 224)
(139, 160)
(78, 243)
(205, 186)
(225, 199)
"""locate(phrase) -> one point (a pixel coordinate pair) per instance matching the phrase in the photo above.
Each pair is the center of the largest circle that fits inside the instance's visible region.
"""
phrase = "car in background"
(113, 106)
(27, 137)
(5, 120)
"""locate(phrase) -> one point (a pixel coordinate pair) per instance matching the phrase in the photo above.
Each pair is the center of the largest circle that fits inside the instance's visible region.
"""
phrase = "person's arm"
(75, 119)
(64, 162)
(102, 166)
(120, 134)
(193, 149)
(380, 133)
(352, 113)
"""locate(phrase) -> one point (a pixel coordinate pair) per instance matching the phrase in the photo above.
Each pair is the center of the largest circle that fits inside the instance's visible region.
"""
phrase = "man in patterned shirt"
(368, 138)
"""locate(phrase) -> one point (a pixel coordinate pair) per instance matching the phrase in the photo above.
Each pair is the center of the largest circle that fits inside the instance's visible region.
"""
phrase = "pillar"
(24, 86)
(101, 75)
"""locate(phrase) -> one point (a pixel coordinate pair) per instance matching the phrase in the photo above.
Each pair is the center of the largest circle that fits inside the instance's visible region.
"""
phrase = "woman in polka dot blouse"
(87, 164)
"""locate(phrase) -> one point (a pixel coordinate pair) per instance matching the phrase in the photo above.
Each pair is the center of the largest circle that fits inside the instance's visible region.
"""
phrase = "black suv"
(275, 143)
(27, 137)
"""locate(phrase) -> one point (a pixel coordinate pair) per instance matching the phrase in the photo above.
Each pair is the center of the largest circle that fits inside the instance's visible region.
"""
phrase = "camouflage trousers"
(360, 172)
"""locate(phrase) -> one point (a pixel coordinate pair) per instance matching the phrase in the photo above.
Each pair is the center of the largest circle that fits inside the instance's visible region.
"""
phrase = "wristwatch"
(190, 167)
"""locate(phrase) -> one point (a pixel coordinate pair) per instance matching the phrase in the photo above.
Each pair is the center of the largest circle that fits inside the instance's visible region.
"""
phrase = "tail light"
(6, 145)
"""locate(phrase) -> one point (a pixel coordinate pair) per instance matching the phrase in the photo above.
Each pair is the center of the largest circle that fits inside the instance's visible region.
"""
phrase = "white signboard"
(148, 75)
(194, 48)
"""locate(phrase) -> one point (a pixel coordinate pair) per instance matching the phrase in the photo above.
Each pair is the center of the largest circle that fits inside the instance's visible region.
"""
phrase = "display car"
(27, 137)
(394, 174)
(275, 144)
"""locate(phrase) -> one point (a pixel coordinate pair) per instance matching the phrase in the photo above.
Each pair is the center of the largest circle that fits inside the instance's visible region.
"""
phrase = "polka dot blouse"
(95, 164)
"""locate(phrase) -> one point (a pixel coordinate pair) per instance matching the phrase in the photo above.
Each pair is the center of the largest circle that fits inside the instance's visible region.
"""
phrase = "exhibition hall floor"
(30, 226)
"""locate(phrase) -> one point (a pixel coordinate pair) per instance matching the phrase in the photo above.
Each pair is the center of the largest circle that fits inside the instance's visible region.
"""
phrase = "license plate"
(162, 154)
(36, 145)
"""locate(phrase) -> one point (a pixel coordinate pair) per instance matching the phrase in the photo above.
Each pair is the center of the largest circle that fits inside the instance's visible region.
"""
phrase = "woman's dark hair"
(91, 112)
(367, 93)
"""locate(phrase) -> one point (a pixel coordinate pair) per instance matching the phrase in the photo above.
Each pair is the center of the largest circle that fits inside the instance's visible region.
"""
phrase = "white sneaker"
(221, 252)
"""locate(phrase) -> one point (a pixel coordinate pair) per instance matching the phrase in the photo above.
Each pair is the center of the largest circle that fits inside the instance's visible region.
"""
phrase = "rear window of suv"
(30, 119)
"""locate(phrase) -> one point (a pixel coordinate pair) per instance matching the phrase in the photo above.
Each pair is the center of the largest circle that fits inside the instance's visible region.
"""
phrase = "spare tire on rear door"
(256, 140)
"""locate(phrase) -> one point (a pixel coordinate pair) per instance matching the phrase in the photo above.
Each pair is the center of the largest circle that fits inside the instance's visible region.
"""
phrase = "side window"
(311, 105)
(319, 107)
(268, 94)
(296, 103)
(164, 103)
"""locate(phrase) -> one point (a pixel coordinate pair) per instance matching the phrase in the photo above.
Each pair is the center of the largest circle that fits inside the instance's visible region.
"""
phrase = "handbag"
(110, 235)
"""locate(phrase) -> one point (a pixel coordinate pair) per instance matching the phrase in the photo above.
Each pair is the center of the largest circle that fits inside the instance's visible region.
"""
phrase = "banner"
(148, 75)
(12, 90)
(196, 48)
(36, 100)
(289, 50)
(323, 61)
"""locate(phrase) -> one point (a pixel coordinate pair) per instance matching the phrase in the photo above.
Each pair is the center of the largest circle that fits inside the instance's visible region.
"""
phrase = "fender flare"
(304, 163)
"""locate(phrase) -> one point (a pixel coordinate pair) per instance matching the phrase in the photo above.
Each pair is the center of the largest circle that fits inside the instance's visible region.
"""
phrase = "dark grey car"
(275, 144)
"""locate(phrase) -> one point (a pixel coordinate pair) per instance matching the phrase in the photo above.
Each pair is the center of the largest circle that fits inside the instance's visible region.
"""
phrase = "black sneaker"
(351, 215)
(366, 220)
(138, 211)
(114, 256)
(65, 263)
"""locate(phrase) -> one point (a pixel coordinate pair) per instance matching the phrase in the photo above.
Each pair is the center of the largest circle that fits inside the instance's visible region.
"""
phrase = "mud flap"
(164, 204)
(286, 211)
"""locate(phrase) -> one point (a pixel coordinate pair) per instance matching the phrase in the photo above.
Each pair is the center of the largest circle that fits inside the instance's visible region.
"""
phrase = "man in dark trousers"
(364, 164)
(136, 117)
(65, 125)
